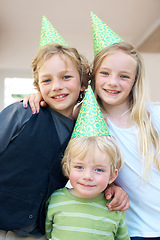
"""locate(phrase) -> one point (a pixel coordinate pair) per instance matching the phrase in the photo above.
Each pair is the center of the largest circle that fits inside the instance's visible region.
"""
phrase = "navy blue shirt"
(13, 119)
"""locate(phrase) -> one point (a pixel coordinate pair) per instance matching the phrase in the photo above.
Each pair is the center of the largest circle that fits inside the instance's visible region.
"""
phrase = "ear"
(113, 177)
(64, 167)
(38, 89)
(82, 89)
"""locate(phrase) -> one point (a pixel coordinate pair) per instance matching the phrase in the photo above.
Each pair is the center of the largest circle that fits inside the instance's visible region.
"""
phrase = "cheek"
(127, 83)
(97, 86)
(99, 82)
(76, 87)
(103, 181)
(73, 177)
(128, 87)
(44, 90)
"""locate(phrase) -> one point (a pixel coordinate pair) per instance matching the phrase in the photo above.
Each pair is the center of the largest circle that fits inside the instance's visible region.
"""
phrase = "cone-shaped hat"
(102, 35)
(90, 121)
(49, 34)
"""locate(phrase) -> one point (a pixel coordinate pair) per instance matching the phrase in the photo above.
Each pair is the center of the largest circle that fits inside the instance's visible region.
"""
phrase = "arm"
(120, 201)
(35, 101)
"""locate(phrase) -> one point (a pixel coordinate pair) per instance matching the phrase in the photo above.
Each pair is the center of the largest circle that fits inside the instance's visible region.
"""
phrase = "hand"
(35, 101)
(120, 201)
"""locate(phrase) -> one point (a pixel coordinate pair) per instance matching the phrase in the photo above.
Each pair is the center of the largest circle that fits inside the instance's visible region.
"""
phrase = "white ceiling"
(20, 25)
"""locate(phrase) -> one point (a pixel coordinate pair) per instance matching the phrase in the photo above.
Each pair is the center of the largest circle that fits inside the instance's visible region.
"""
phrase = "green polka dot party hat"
(50, 34)
(102, 35)
(90, 121)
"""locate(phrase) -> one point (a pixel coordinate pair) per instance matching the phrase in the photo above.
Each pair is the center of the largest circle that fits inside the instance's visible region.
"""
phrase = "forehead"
(59, 62)
(119, 57)
(95, 156)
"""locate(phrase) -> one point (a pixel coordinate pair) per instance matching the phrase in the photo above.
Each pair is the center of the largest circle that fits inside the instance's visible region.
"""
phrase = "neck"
(119, 115)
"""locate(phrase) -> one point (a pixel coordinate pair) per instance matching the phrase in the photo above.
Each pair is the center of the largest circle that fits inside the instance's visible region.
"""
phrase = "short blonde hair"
(49, 50)
(80, 146)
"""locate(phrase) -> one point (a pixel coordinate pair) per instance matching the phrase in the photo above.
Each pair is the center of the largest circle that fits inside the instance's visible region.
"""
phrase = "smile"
(59, 97)
(87, 186)
(112, 91)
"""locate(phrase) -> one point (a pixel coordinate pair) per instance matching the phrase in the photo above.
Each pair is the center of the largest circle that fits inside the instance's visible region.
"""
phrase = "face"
(90, 177)
(59, 84)
(114, 79)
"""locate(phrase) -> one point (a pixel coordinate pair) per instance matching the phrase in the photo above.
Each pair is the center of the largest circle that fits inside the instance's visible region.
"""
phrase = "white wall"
(152, 73)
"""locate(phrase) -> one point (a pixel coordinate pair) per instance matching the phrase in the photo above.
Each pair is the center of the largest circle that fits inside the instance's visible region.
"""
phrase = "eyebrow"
(105, 68)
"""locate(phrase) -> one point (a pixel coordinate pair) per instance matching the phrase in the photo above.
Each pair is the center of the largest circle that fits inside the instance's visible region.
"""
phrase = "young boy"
(32, 146)
(92, 160)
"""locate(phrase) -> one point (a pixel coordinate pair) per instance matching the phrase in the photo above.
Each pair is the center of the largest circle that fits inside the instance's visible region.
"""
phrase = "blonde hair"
(148, 137)
(80, 146)
(49, 50)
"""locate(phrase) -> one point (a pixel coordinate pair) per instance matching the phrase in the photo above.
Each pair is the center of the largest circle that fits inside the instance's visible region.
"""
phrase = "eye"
(124, 76)
(79, 167)
(105, 73)
(66, 77)
(46, 81)
(99, 170)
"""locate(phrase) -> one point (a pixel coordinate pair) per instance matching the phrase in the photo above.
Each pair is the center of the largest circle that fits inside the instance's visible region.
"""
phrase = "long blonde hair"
(148, 139)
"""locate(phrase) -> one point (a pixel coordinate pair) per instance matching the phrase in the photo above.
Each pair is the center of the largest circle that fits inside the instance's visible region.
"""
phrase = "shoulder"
(16, 108)
(12, 119)
(154, 109)
(15, 114)
(57, 195)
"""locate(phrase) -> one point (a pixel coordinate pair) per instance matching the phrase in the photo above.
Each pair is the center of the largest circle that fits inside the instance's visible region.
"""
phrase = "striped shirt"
(69, 217)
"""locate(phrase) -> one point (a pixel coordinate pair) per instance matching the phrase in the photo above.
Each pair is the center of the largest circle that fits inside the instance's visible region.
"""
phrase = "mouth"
(87, 185)
(114, 92)
(63, 96)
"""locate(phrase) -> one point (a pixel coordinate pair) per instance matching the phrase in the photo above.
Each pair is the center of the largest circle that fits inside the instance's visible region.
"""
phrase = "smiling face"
(114, 79)
(90, 176)
(59, 84)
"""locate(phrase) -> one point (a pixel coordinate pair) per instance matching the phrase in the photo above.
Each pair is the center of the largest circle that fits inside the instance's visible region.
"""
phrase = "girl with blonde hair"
(120, 87)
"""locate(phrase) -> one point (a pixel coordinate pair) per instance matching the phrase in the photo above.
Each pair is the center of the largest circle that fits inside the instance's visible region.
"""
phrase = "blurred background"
(136, 21)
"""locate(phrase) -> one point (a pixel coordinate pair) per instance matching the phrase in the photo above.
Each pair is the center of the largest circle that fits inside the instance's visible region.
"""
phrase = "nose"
(57, 84)
(112, 81)
(87, 174)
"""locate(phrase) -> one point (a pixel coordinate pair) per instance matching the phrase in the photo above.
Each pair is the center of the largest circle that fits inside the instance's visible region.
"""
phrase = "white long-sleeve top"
(143, 216)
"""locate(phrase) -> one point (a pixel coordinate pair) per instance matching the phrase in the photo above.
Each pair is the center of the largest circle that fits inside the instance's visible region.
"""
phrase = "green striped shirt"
(69, 217)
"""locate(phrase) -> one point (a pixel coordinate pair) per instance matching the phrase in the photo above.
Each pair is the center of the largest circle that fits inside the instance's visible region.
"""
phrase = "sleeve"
(122, 232)
(12, 119)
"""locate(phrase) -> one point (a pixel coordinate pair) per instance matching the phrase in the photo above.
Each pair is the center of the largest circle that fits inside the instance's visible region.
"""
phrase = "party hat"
(90, 121)
(102, 35)
(49, 34)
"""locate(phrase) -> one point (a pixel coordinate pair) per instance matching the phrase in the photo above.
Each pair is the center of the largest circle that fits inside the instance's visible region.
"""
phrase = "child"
(120, 89)
(32, 146)
(91, 162)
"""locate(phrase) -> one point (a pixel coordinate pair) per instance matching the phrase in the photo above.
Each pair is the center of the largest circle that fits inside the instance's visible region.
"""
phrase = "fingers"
(34, 102)
(108, 193)
(120, 201)
(25, 101)
(43, 104)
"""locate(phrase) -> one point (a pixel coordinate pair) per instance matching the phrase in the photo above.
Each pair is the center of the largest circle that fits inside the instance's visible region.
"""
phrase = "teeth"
(112, 91)
(59, 96)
